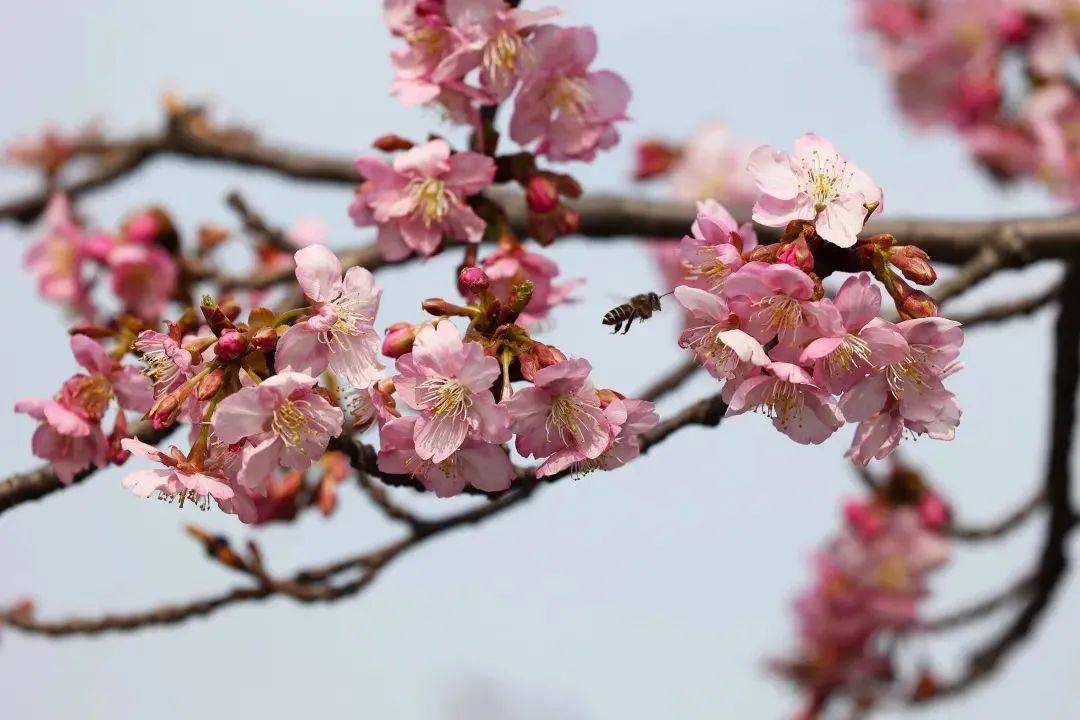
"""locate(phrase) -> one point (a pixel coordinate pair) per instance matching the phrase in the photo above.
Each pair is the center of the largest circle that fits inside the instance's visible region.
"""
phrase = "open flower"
(715, 247)
(480, 464)
(776, 298)
(283, 420)
(65, 438)
(569, 109)
(627, 419)
(339, 334)
(854, 341)
(107, 379)
(449, 383)
(428, 41)
(56, 257)
(712, 165)
(168, 365)
(143, 277)
(786, 393)
(180, 478)
(494, 41)
(815, 183)
(421, 198)
(713, 334)
(560, 411)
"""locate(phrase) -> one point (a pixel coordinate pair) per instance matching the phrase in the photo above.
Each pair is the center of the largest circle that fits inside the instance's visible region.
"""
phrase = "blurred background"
(659, 590)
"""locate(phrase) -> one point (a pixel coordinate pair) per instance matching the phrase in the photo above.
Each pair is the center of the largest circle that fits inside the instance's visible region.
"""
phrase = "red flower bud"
(472, 281)
(399, 339)
(797, 254)
(654, 158)
(165, 409)
(914, 263)
(391, 143)
(917, 304)
(541, 194)
(232, 345)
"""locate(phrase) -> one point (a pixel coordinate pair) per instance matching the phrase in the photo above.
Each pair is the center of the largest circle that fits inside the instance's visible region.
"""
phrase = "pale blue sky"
(654, 592)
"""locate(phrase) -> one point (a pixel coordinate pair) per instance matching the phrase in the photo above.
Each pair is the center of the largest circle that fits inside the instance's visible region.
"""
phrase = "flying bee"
(640, 307)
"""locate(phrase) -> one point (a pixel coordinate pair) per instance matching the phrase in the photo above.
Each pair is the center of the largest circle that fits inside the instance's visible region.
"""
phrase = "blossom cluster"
(952, 64)
(68, 261)
(869, 584)
(465, 54)
(760, 321)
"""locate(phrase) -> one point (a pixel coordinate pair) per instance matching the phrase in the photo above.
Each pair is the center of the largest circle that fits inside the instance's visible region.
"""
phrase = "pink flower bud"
(472, 281)
(142, 228)
(866, 519)
(399, 339)
(232, 345)
(541, 194)
(165, 409)
(933, 511)
(654, 159)
(797, 254)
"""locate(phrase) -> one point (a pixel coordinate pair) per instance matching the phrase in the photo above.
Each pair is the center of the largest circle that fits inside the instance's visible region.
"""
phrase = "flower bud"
(141, 228)
(232, 345)
(97, 332)
(208, 387)
(914, 263)
(472, 281)
(399, 339)
(215, 316)
(797, 254)
(440, 308)
(265, 339)
(654, 158)
(165, 409)
(866, 519)
(541, 194)
(933, 511)
(917, 304)
(391, 143)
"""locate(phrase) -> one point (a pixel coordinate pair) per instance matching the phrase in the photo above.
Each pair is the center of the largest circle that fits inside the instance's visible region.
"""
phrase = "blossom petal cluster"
(466, 54)
(760, 320)
(869, 584)
(954, 64)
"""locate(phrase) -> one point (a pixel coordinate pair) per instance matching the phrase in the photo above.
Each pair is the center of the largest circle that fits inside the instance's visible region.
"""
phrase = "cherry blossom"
(568, 110)
(509, 267)
(787, 394)
(713, 333)
(559, 411)
(56, 258)
(281, 421)
(69, 441)
(475, 462)
(180, 478)
(339, 333)
(420, 198)
(814, 183)
(449, 383)
(715, 247)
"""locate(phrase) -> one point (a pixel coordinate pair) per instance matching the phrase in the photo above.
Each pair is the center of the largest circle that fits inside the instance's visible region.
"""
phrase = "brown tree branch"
(1003, 526)
(999, 312)
(1053, 561)
(35, 484)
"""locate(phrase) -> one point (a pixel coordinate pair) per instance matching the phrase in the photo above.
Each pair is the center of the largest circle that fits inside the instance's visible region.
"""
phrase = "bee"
(640, 307)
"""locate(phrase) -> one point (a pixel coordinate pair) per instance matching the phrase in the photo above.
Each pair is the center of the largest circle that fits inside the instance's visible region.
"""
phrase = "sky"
(659, 590)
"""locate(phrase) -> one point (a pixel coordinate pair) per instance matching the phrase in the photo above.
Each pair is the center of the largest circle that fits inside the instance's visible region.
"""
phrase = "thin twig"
(999, 312)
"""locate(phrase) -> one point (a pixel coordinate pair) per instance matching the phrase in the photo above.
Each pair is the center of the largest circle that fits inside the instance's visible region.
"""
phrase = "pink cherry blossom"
(786, 393)
(168, 365)
(429, 40)
(421, 198)
(714, 335)
(712, 165)
(495, 42)
(627, 419)
(916, 382)
(814, 183)
(714, 249)
(339, 333)
(283, 421)
(777, 300)
(107, 379)
(56, 257)
(65, 438)
(509, 266)
(449, 383)
(853, 341)
(480, 464)
(569, 111)
(178, 479)
(143, 277)
(560, 411)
